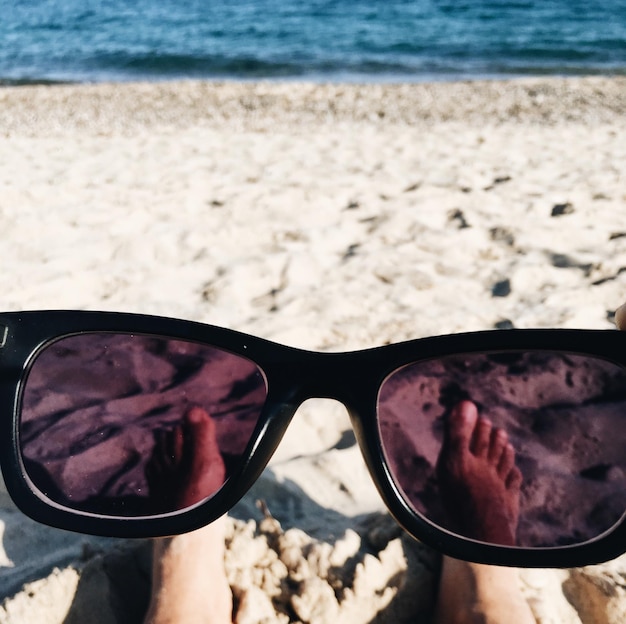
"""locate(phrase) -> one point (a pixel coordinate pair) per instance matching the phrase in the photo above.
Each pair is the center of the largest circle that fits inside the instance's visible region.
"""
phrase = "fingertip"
(620, 317)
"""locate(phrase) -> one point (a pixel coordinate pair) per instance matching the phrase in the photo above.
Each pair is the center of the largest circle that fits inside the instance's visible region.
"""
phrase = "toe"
(497, 446)
(162, 454)
(196, 416)
(175, 443)
(514, 480)
(203, 448)
(481, 439)
(460, 424)
(507, 461)
(200, 430)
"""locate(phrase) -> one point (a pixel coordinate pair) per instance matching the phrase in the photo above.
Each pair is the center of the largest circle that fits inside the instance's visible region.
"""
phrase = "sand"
(330, 217)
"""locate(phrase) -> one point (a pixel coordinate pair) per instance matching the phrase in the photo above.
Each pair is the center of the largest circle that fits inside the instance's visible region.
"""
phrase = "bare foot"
(479, 482)
(186, 465)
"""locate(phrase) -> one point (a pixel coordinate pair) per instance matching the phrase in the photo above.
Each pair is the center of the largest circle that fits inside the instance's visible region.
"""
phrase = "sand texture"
(329, 217)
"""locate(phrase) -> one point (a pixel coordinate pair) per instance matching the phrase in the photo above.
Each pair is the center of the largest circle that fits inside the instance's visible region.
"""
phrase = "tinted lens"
(121, 424)
(543, 464)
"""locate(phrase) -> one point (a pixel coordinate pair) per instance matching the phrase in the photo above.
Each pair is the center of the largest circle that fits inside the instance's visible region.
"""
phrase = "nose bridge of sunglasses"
(310, 410)
(344, 377)
(332, 393)
(317, 426)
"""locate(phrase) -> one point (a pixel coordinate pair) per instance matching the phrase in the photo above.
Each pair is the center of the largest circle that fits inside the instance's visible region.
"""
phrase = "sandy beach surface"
(330, 217)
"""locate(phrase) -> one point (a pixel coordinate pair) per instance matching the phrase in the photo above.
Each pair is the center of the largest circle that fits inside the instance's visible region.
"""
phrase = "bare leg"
(188, 579)
(480, 484)
(471, 593)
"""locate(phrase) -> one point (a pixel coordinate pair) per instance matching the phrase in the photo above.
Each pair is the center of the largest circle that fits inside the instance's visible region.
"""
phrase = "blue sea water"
(329, 40)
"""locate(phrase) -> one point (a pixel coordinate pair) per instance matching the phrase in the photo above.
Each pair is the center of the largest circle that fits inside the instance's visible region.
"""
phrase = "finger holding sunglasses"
(620, 317)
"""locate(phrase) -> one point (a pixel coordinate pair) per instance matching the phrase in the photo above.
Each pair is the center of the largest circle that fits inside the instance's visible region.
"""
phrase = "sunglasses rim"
(292, 375)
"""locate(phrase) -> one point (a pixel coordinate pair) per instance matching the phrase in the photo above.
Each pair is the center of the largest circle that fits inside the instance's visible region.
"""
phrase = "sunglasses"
(501, 447)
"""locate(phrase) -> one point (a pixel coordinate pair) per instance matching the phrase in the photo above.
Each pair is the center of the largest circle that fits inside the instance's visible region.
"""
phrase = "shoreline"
(40, 110)
(321, 79)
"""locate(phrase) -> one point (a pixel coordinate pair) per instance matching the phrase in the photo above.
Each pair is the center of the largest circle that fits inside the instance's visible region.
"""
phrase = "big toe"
(202, 440)
(200, 425)
(197, 416)
(460, 424)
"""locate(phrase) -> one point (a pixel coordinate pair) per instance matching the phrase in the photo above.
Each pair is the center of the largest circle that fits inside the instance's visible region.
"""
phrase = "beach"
(324, 216)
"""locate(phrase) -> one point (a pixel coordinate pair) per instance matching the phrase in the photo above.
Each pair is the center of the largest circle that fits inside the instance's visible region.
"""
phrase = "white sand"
(327, 217)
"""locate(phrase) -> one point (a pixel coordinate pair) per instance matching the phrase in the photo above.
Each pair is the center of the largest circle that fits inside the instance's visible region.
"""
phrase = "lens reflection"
(131, 425)
(524, 448)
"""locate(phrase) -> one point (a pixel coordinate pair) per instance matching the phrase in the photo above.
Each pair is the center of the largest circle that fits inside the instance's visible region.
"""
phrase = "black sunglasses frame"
(292, 376)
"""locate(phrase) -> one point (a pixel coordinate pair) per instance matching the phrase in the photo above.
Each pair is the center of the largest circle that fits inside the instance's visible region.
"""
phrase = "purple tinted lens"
(132, 425)
(514, 448)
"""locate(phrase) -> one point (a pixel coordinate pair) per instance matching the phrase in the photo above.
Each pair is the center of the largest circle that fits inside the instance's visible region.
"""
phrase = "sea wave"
(317, 39)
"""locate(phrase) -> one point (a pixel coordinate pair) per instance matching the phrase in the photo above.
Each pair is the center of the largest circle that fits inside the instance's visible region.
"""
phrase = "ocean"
(319, 40)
